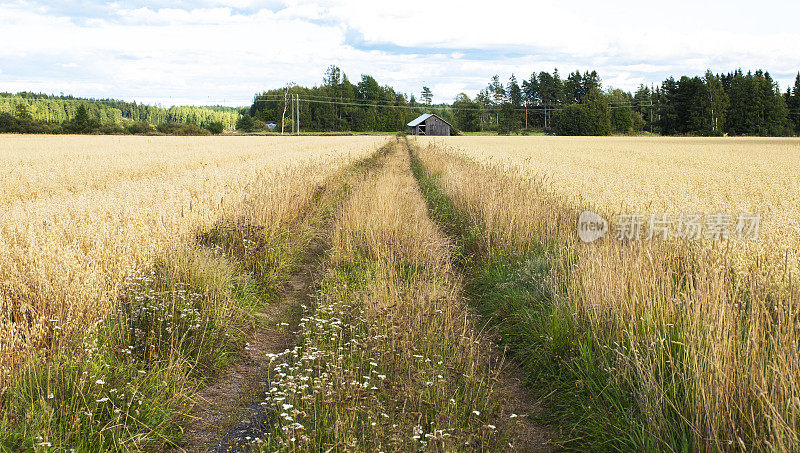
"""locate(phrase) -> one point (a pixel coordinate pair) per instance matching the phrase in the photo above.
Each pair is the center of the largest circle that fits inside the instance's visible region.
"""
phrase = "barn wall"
(435, 126)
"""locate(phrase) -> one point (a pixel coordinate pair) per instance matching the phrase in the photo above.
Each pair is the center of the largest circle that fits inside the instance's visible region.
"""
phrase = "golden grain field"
(81, 213)
(705, 334)
(391, 349)
(658, 175)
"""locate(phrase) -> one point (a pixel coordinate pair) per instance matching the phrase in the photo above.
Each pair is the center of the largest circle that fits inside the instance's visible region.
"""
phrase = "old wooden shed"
(429, 124)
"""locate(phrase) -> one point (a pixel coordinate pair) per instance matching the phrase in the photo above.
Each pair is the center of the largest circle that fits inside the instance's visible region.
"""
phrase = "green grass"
(122, 387)
(126, 384)
(555, 350)
(536, 133)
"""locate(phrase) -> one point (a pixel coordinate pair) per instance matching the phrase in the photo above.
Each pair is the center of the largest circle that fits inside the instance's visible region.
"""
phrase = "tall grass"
(670, 345)
(79, 214)
(389, 358)
(115, 368)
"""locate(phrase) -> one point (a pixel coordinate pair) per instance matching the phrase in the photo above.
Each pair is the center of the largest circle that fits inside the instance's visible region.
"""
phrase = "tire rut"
(226, 419)
(230, 414)
(518, 399)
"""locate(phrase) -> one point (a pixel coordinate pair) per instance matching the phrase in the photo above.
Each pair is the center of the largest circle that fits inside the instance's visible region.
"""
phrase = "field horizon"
(390, 293)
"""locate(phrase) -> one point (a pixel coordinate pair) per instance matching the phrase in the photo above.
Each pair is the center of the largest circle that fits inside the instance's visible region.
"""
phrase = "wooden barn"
(429, 124)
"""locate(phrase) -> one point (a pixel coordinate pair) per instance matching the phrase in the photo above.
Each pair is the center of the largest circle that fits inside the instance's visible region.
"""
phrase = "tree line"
(715, 104)
(339, 105)
(28, 112)
(736, 103)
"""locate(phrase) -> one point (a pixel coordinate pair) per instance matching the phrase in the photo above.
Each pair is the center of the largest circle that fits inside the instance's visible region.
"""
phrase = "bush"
(139, 127)
(215, 127)
(622, 120)
(82, 123)
(111, 129)
(259, 125)
(245, 124)
(573, 119)
(11, 124)
(181, 129)
(190, 129)
(8, 123)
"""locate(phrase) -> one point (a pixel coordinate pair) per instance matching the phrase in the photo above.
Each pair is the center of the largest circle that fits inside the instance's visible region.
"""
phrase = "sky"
(224, 51)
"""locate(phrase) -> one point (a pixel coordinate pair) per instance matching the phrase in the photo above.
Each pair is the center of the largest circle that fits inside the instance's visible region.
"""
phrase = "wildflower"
(99, 382)
(102, 400)
(512, 416)
(476, 412)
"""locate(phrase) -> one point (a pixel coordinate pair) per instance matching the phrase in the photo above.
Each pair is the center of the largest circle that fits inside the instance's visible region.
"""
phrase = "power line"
(318, 99)
(537, 107)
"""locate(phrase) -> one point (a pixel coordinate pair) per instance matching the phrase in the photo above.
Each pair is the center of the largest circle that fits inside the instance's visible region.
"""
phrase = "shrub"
(181, 129)
(82, 123)
(189, 129)
(245, 124)
(215, 127)
(622, 120)
(573, 120)
(139, 127)
(259, 125)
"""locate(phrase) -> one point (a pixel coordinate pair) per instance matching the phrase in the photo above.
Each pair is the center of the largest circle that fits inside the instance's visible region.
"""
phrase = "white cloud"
(226, 50)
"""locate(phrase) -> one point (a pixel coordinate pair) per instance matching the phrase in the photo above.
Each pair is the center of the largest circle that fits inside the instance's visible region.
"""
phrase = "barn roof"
(421, 119)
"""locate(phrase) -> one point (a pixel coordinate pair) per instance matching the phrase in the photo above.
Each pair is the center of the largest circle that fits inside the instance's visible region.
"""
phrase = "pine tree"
(599, 111)
(467, 114)
(530, 91)
(514, 92)
(427, 95)
(715, 103)
(574, 89)
(793, 104)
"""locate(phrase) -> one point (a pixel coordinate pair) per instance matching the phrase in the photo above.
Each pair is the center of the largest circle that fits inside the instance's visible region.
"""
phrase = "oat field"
(379, 293)
(703, 335)
(81, 213)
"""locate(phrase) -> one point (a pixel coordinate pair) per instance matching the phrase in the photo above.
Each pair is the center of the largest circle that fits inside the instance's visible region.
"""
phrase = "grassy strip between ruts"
(125, 384)
(389, 359)
(547, 338)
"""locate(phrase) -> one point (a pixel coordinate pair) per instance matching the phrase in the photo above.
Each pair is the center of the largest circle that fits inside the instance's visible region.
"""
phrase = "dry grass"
(390, 360)
(658, 175)
(80, 214)
(706, 336)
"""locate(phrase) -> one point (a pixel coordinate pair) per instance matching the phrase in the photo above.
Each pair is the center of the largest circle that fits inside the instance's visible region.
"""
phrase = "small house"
(429, 124)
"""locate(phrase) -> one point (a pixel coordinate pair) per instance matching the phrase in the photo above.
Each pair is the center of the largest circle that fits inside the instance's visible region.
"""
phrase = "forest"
(736, 103)
(28, 112)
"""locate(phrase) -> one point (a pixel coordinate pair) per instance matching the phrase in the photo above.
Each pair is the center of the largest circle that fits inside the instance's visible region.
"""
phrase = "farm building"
(429, 124)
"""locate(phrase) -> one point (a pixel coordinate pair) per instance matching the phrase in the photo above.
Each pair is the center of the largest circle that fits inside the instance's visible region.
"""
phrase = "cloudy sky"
(223, 51)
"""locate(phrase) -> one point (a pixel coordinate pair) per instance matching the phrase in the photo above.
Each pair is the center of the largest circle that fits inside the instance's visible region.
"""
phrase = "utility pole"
(651, 109)
(283, 116)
